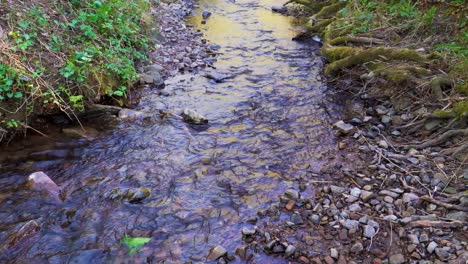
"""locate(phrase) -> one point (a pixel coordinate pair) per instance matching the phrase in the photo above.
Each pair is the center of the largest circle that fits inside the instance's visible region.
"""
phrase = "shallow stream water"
(267, 127)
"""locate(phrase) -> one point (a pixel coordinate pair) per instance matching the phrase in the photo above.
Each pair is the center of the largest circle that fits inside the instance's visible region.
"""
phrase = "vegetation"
(60, 55)
(135, 243)
(398, 49)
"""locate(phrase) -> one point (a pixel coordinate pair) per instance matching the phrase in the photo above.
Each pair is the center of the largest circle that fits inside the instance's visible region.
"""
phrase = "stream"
(267, 128)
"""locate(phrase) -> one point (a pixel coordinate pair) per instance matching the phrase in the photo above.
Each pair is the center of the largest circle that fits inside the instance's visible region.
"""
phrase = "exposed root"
(380, 53)
(443, 138)
(437, 83)
(446, 205)
(357, 40)
(437, 224)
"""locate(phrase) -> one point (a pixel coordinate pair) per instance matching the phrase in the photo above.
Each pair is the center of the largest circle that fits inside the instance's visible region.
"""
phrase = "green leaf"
(135, 242)
(18, 94)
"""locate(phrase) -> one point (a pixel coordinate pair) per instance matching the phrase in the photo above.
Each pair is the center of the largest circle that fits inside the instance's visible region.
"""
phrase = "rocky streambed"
(234, 153)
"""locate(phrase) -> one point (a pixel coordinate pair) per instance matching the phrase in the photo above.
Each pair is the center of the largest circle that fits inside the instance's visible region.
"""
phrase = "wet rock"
(130, 114)
(289, 251)
(296, 218)
(343, 127)
(218, 76)
(192, 117)
(41, 182)
(279, 9)
(216, 252)
(397, 259)
(369, 231)
(248, 231)
(431, 247)
(206, 14)
(137, 195)
(292, 194)
(82, 132)
(357, 248)
(31, 227)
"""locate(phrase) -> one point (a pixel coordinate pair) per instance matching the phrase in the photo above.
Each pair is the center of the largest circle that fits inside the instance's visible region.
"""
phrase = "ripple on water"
(267, 127)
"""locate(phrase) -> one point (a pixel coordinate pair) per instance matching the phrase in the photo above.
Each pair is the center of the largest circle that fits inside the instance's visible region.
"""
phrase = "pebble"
(442, 253)
(397, 259)
(315, 219)
(334, 253)
(351, 225)
(410, 198)
(336, 190)
(354, 207)
(206, 14)
(366, 195)
(41, 182)
(343, 127)
(327, 259)
(216, 252)
(373, 223)
(388, 199)
(364, 219)
(357, 248)
(356, 192)
(389, 193)
(297, 219)
(369, 231)
(391, 217)
(431, 247)
(248, 231)
(413, 238)
(290, 205)
(292, 194)
(290, 249)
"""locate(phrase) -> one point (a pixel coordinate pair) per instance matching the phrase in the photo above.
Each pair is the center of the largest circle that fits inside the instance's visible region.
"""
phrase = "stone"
(290, 249)
(130, 114)
(410, 198)
(248, 231)
(397, 259)
(354, 207)
(81, 132)
(218, 77)
(391, 217)
(351, 225)
(192, 117)
(39, 181)
(292, 194)
(386, 119)
(460, 216)
(315, 219)
(206, 14)
(389, 193)
(28, 229)
(369, 231)
(364, 219)
(146, 79)
(297, 219)
(279, 9)
(356, 192)
(431, 247)
(135, 195)
(443, 253)
(357, 248)
(423, 238)
(329, 260)
(413, 239)
(290, 205)
(304, 259)
(334, 253)
(343, 127)
(373, 223)
(366, 196)
(216, 252)
(388, 199)
(383, 144)
(336, 190)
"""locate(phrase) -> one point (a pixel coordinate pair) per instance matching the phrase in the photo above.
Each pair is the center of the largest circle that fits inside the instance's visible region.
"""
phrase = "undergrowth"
(59, 55)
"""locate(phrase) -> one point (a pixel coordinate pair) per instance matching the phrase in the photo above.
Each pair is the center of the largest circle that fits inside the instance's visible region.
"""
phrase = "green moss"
(381, 53)
(461, 108)
(338, 53)
(462, 88)
(449, 113)
(320, 26)
(330, 10)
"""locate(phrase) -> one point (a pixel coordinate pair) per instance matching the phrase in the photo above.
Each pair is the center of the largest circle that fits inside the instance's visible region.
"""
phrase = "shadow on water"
(267, 128)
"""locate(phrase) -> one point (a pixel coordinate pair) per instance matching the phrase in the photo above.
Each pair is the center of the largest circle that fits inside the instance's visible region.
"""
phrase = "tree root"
(446, 205)
(338, 53)
(373, 54)
(437, 83)
(329, 10)
(314, 29)
(358, 40)
(443, 138)
(437, 224)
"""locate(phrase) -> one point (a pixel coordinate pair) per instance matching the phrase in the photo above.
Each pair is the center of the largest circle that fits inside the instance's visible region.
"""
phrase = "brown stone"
(316, 261)
(304, 260)
(342, 260)
(290, 205)
(376, 261)
(329, 260)
(343, 235)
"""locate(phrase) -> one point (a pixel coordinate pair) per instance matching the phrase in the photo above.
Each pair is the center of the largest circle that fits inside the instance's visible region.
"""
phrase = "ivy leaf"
(18, 95)
(134, 243)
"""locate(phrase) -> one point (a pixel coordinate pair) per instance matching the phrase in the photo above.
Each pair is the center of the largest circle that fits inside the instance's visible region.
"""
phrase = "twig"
(446, 205)
(437, 224)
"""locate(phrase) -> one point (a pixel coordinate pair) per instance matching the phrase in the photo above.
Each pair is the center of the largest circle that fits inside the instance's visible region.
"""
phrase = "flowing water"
(268, 126)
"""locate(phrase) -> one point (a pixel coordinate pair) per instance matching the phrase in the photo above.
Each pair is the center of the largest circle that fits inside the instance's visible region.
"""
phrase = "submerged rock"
(206, 14)
(41, 182)
(130, 114)
(216, 252)
(192, 117)
(83, 132)
(31, 227)
(133, 195)
(279, 9)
